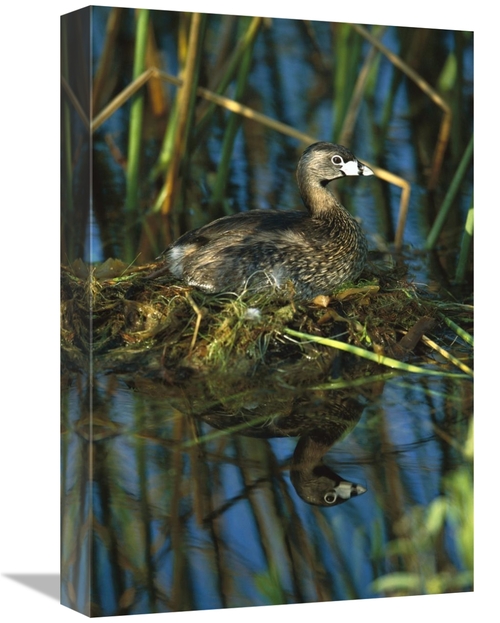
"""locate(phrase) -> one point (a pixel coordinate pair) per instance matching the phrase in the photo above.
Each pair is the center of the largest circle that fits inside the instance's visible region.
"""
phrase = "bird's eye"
(330, 497)
(337, 160)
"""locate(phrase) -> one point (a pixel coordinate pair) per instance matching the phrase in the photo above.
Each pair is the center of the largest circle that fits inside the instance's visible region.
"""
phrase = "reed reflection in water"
(188, 501)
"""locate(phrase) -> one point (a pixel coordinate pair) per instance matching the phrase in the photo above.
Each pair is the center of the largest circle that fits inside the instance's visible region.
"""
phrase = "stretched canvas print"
(266, 311)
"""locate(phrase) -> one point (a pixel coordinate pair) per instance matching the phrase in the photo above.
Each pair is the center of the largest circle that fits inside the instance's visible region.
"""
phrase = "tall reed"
(132, 196)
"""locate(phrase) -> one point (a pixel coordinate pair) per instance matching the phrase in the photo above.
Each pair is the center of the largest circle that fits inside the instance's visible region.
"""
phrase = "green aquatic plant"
(453, 510)
(135, 136)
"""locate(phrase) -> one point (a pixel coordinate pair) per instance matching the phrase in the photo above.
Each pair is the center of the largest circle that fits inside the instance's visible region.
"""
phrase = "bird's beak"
(364, 170)
(346, 490)
(354, 167)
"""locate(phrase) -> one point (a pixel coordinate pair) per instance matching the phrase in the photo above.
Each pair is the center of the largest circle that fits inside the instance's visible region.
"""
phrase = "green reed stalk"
(380, 136)
(450, 196)
(371, 356)
(233, 126)
(366, 73)
(190, 66)
(359, 382)
(181, 113)
(232, 66)
(465, 247)
(185, 103)
(347, 47)
(135, 134)
(167, 148)
(466, 337)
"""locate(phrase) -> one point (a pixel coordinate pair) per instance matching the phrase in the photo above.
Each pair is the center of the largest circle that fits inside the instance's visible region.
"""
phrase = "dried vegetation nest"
(129, 321)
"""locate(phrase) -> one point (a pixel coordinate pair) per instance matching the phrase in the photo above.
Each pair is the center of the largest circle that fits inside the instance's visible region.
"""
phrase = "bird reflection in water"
(319, 418)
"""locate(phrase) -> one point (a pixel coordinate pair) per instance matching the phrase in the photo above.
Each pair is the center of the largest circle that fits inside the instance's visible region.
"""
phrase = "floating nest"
(128, 322)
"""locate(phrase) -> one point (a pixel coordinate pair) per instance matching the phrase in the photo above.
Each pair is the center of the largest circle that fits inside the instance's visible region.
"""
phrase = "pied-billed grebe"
(315, 250)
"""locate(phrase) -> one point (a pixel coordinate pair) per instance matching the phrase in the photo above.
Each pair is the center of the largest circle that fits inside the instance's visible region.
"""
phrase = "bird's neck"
(307, 462)
(319, 201)
(310, 450)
